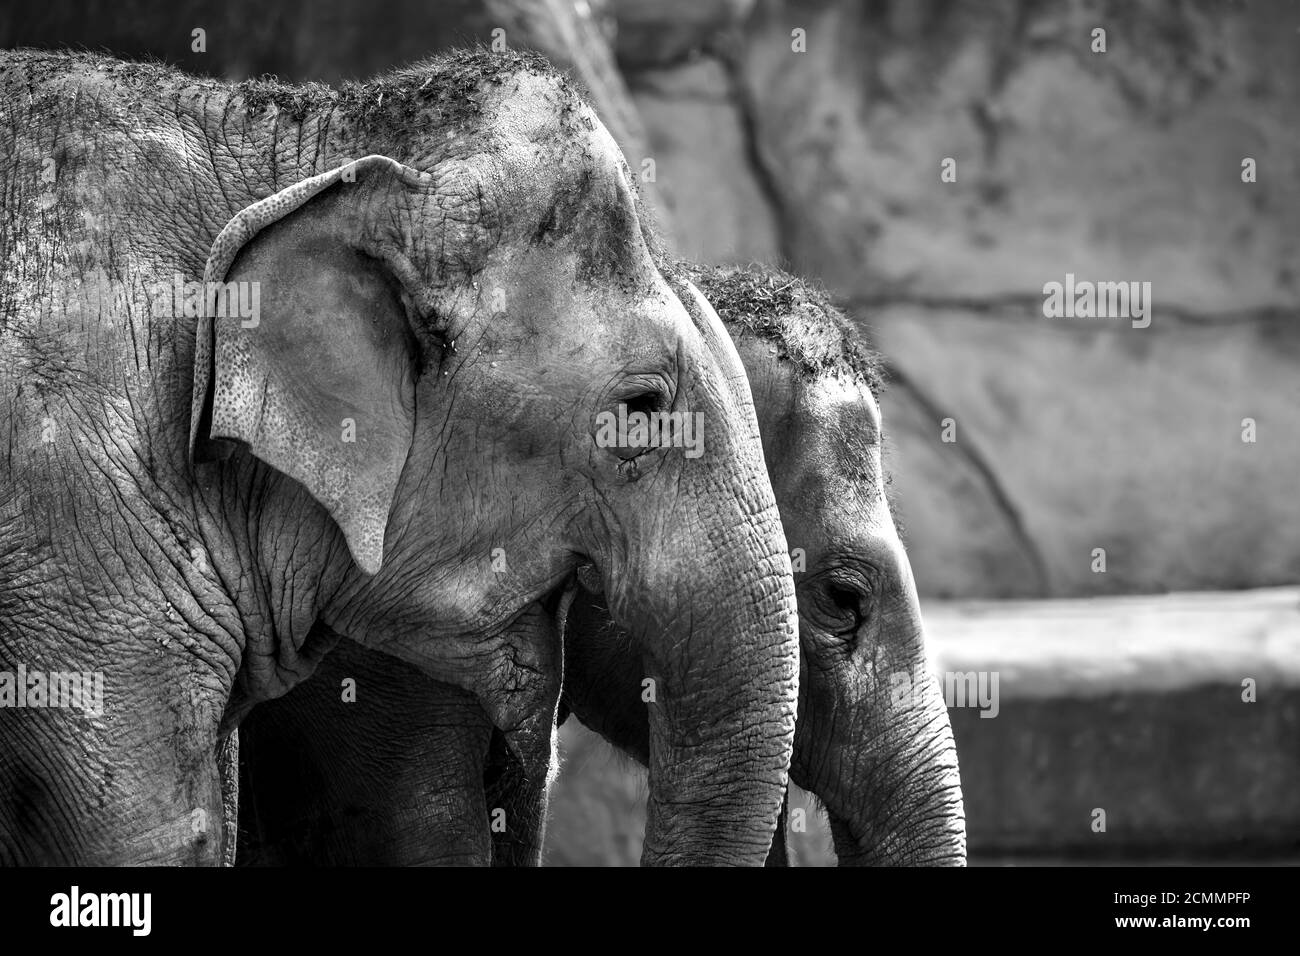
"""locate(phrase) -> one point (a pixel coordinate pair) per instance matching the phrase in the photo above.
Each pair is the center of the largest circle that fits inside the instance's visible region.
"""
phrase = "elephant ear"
(316, 374)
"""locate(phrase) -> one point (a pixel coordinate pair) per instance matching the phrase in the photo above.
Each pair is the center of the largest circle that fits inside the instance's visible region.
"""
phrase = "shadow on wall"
(298, 40)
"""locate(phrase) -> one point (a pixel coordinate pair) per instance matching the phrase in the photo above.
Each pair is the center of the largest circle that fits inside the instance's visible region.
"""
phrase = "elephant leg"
(518, 801)
(228, 767)
(516, 808)
(126, 775)
(367, 762)
(779, 854)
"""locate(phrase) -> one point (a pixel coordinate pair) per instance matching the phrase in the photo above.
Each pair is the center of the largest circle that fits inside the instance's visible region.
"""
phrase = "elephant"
(873, 739)
(283, 366)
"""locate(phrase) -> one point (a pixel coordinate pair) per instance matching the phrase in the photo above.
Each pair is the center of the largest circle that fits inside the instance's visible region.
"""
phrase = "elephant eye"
(645, 402)
(846, 601)
(633, 424)
(838, 602)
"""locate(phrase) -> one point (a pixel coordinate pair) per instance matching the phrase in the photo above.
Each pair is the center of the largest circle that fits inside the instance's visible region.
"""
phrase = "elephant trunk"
(885, 766)
(923, 822)
(709, 597)
(721, 690)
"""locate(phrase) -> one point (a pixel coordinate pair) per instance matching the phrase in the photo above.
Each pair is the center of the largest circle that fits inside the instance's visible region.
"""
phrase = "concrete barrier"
(1128, 727)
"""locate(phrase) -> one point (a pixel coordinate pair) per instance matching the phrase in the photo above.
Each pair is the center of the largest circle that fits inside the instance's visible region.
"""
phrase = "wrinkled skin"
(398, 448)
(437, 755)
(873, 739)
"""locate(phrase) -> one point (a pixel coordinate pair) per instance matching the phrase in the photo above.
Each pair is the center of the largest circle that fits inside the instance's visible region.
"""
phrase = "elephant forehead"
(835, 426)
(569, 183)
(544, 111)
(843, 406)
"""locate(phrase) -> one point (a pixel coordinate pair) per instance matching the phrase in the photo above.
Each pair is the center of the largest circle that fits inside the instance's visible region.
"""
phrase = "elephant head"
(873, 740)
(450, 332)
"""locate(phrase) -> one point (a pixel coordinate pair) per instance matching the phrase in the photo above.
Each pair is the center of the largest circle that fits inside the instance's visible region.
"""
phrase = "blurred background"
(813, 135)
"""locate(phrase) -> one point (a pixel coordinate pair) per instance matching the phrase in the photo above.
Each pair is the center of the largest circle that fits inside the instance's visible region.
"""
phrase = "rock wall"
(1125, 165)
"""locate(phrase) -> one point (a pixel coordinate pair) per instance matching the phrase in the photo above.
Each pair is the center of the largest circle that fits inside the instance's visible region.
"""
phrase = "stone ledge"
(1134, 706)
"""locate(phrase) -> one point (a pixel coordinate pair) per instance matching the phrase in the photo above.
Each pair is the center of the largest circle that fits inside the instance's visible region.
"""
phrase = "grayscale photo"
(615, 433)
